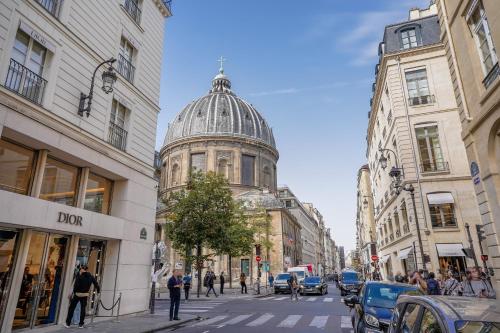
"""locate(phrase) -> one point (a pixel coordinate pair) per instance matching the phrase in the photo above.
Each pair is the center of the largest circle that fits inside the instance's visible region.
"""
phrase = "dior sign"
(69, 219)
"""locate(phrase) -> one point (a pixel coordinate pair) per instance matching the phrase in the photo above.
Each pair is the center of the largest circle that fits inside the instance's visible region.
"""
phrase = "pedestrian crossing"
(303, 298)
(270, 320)
(199, 307)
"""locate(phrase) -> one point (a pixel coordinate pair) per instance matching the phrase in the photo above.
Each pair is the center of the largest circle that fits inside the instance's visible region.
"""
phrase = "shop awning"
(440, 198)
(384, 259)
(403, 254)
(450, 250)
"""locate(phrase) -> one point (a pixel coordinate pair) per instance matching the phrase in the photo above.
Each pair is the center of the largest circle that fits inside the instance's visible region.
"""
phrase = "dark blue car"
(313, 285)
(375, 303)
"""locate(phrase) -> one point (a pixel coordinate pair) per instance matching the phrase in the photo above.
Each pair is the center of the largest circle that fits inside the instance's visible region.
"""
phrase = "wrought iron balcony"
(52, 6)
(492, 75)
(406, 228)
(133, 10)
(436, 166)
(421, 100)
(125, 68)
(25, 82)
(117, 136)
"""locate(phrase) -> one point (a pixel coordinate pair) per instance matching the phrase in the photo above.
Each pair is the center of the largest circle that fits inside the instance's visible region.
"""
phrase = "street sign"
(258, 258)
(265, 266)
(374, 258)
(484, 257)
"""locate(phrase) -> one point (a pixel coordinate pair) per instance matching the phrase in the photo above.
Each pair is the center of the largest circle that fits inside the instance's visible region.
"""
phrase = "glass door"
(39, 297)
(8, 247)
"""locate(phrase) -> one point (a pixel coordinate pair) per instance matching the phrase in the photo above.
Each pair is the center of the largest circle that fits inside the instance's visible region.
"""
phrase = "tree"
(204, 216)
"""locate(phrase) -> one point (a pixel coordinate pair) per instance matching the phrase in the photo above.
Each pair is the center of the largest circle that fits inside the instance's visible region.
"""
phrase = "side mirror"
(351, 300)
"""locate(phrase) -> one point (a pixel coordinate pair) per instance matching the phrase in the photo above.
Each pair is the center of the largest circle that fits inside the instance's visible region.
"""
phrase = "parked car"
(313, 285)
(375, 303)
(445, 314)
(350, 282)
(281, 283)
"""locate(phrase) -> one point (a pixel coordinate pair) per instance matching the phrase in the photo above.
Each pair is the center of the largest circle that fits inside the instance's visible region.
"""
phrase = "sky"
(307, 67)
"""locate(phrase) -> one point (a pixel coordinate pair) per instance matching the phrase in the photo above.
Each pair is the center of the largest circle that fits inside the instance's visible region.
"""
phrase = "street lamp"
(108, 80)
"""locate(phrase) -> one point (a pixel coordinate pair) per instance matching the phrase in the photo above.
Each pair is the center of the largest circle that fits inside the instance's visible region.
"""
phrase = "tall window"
(222, 168)
(409, 38)
(98, 194)
(267, 177)
(198, 162)
(431, 156)
(418, 87)
(59, 182)
(52, 6)
(441, 208)
(26, 68)
(16, 166)
(133, 9)
(404, 216)
(125, 60)
(248, 170)
(482, 35)
(175, 175)
(397, 224)
(117, 135)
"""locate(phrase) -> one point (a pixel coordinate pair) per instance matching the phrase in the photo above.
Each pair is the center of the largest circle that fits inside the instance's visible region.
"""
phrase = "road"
(276, 313)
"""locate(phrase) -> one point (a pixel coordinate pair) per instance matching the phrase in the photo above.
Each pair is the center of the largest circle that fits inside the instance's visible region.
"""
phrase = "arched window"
(175, 175)
(222, 168)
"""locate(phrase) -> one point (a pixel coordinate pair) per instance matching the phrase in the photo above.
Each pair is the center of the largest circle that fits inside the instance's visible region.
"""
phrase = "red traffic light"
(374, 258)
(484, 257)
(258, 258)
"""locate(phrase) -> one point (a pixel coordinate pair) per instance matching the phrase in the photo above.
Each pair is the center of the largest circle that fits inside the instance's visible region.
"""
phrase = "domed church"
(223, 133)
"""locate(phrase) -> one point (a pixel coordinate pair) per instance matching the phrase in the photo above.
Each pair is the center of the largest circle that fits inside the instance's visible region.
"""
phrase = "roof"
(220, 113)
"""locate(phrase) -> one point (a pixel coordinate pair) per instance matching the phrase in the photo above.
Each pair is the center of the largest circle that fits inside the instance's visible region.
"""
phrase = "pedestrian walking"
(83, 281)
(474, 286)
(451, 285)
(222, 280)
(433, 285)
(271, 280)
(243, 282)
(174, 286)
(417, 280)
(186, 281)
(210, 283)
(294, 286)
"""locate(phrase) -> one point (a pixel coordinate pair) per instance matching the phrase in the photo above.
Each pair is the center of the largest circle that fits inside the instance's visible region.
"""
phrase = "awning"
(384, 259)
(403, 254)
(440, 198)
(450, 250)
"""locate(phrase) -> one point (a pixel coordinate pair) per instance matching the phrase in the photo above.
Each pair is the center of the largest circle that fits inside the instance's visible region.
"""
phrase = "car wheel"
(276, 292)
(361, 326)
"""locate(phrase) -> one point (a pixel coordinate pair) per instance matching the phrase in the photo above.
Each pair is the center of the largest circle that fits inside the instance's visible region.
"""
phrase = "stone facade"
(476, 85)
(96, 169)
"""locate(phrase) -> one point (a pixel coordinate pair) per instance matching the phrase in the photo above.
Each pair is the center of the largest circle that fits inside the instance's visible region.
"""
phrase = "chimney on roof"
(416, 13)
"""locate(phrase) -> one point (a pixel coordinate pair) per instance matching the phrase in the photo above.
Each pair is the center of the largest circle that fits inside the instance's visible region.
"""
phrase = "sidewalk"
(136, 323)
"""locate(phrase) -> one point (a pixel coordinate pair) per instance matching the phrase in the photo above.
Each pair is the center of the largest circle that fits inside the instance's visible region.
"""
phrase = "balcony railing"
(52, 6)
(125, 68)
(492, 75)
(436, 166)
(406, 228)
(117, 136)
(25, 82)
(133, 10)
(421, 100)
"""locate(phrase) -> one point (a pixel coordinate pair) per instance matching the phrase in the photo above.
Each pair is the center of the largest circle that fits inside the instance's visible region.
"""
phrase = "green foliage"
(260, 222)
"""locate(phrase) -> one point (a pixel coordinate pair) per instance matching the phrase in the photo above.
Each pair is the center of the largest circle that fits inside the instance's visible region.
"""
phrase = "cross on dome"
(221, 61)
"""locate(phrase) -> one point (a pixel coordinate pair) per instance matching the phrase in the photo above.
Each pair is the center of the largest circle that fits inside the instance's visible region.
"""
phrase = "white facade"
(48, 52)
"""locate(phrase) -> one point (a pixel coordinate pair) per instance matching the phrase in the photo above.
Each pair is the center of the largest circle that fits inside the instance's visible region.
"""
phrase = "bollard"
(118, 310)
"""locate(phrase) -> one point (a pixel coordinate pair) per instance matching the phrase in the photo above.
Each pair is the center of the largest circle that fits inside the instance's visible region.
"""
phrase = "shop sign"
(37, 36)
(69, 219)
(143, 234)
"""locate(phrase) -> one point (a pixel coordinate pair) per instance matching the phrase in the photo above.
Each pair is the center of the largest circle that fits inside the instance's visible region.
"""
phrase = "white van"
(301, 271)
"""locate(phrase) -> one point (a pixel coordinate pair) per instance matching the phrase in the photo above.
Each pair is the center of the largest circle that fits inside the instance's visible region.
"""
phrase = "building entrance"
(40, 293)
(8, 251)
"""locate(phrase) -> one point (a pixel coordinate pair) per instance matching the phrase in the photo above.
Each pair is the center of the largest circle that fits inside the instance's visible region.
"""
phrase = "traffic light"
(257, 249)
(480, 232)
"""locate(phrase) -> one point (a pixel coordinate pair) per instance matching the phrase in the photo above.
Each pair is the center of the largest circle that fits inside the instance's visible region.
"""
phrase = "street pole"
(156, 261)
(411, 189)
(467, 227)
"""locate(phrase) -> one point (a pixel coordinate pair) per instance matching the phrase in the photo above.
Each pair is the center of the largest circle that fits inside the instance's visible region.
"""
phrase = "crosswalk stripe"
(261, 320)
(280, 298)
(319, 321)
(192, 310)
(290, 321)
(266, 298)
(328, 300)
(196, 307)
(210, 321)
(345, 322)
(312, 299)
(237, 319)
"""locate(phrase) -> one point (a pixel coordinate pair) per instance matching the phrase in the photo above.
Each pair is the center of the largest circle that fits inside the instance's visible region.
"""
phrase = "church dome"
(222, 114)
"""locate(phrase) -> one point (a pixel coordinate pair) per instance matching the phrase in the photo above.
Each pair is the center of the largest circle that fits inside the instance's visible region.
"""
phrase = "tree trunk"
(199, 265)
(229, 257)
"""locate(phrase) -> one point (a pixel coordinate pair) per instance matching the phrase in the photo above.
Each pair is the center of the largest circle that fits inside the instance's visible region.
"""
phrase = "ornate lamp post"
(108, 80)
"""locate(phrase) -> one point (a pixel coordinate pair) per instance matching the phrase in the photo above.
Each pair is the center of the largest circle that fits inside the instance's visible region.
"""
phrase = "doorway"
(40, 293)
(8, 249)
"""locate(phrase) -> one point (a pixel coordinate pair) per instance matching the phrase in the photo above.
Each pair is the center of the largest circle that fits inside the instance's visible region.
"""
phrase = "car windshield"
(283, 277)
(385, 296)
(312, 279)
(299, 274)
(464, 326)
(350, 277)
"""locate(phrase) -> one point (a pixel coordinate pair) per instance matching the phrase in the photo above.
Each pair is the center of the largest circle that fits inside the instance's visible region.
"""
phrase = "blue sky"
(307, 66)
